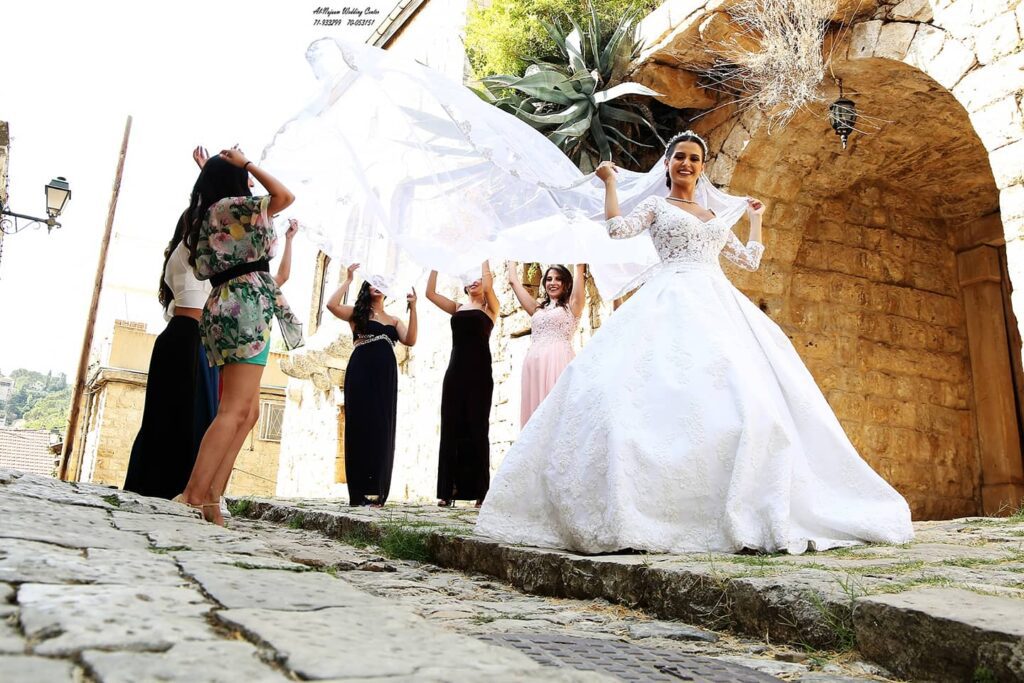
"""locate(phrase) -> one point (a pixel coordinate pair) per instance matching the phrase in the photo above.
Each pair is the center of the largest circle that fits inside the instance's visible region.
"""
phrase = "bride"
(688, 423)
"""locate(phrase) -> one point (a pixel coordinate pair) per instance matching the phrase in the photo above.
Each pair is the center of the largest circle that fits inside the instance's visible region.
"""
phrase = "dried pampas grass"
(783, 74)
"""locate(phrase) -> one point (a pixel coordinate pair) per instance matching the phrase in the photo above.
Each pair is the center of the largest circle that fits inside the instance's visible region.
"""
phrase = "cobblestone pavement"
(101, 585)
(949, 606)
(480, 606)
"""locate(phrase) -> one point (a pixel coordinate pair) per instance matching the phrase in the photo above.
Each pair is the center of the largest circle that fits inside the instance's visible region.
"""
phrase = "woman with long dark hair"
(181, 388)
(371, 388)
(553, 321)
(464, 456)
(231, 240)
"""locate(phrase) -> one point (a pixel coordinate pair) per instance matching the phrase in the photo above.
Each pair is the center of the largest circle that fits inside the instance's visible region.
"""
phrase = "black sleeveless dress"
(371, 405)
(464, 463)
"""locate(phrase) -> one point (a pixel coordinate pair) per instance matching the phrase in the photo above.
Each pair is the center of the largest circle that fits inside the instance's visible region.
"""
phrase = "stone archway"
(886, 265)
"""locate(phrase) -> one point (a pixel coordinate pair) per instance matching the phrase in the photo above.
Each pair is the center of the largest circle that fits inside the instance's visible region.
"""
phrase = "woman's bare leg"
(241, 385)
(220, 479)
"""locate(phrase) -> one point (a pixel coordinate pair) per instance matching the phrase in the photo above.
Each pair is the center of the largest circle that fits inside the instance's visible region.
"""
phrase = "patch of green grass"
(982, 674)
(332, 570)
(754, 560)
(900, 586)
(240, 507)
(840, 622)
(357, 537)
(417, 523)
(1018, 516)
(895, 568)
(112, 500)
(479, 619)
(170, 549)
(1011, 556)
(297, 521)
(401, 543)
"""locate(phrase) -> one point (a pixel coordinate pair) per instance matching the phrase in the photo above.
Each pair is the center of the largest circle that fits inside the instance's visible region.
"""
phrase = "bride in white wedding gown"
(688, 423)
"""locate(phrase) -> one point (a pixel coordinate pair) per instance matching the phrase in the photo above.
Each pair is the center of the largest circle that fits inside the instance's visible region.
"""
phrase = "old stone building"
(111, 413)
(889, 264)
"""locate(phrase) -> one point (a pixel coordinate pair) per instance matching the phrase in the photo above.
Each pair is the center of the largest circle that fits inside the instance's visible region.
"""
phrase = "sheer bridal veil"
(401, 169)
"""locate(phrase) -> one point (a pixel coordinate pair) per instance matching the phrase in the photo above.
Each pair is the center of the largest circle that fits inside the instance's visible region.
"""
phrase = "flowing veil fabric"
(400, 168)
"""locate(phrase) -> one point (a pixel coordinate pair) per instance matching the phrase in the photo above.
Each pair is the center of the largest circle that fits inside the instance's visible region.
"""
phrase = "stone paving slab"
(38, 562)
(66, 619)
(331, 643)
(942, 630)
(11, 641)
(807, 600)
(235, 587)
(195, 662)
(91, 528)
(101, 586)
(477, 605)
(19, 668)
(187, 558)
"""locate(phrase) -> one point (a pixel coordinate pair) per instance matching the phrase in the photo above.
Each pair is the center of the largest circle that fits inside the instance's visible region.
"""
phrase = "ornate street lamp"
(58, 192)
(842, 114)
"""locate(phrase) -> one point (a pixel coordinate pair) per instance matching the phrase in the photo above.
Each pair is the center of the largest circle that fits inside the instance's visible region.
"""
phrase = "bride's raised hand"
(606, 171)
(755, 207)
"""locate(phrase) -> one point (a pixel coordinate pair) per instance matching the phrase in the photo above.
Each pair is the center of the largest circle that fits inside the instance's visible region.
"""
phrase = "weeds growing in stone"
(839, 619)
(297, 521)
(112, 500)
(982, 674)
(357, 537)
(400, 543)
(240, 507)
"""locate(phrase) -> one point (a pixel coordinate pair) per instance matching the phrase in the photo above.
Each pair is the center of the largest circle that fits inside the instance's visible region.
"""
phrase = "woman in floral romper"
(231, 241)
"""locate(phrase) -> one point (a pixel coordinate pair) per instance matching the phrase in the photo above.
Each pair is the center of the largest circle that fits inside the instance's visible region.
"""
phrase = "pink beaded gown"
(550, 351)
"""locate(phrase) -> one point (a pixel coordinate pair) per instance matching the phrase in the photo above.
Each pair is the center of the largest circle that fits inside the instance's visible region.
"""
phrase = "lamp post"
(842, 114)
(58, 192)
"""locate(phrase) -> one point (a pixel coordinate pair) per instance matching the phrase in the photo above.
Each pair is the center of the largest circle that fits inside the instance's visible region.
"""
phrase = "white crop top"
(188, 291)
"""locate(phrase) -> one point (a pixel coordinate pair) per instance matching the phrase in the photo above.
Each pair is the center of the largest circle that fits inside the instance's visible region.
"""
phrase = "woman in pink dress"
(553, 322)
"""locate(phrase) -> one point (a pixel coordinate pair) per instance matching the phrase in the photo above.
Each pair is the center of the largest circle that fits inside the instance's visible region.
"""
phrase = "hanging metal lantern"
(842, 114)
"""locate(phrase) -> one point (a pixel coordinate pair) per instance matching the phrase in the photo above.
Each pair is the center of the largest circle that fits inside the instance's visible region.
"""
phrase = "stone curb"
(805, 607)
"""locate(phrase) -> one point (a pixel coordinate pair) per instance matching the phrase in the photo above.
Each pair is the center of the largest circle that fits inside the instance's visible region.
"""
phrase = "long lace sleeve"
(747, 257)
(638, 220)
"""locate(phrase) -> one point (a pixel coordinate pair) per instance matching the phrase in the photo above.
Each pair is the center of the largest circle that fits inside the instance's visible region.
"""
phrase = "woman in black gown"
(464, 460)
(181, 392)
(371, 389)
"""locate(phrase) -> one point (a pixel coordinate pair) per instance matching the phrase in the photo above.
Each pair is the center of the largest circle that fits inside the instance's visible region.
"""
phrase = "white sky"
(212, 72)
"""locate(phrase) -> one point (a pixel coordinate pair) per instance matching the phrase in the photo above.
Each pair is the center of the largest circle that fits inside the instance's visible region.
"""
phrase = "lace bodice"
(681, 237)
(553, 325)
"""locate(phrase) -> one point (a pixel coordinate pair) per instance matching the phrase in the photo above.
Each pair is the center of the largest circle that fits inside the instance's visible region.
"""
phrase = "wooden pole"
(90, 325)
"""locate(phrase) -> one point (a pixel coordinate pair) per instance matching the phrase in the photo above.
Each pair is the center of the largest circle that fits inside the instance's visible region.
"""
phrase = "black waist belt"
(262, 266)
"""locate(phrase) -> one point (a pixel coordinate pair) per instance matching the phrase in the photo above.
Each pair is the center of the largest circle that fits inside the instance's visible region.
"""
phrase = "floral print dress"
(236, 321)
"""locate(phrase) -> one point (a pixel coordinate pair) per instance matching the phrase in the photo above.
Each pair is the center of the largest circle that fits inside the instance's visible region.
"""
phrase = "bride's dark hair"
(566, 276)
(687, 136)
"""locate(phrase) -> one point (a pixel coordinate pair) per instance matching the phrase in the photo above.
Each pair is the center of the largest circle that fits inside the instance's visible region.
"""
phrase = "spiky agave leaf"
(570, 101)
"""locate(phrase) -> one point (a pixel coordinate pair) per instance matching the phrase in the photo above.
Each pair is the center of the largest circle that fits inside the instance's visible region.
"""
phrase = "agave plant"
(570, 100)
